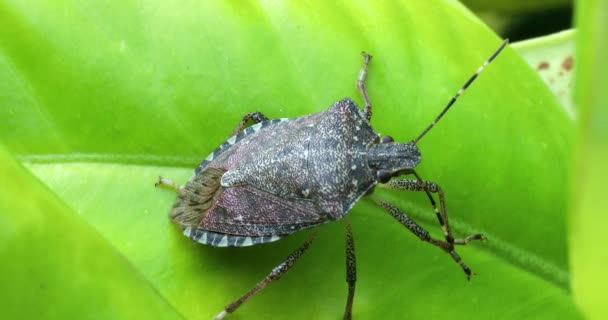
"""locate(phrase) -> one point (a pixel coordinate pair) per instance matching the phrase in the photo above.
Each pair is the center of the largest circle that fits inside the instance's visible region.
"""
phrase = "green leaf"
(55, 266)
(552, 56)
(98, 105)
(588, 221)
(515, 6)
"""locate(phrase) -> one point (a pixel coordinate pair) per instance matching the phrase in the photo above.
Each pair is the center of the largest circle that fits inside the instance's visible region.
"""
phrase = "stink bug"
(281, 176)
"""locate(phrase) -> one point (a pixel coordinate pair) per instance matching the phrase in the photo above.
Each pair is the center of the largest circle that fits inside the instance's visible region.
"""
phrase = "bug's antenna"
(462, 89)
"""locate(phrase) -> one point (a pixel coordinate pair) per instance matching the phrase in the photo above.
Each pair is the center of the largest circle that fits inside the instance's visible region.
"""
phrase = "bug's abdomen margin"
(193, 204)
(196, 198)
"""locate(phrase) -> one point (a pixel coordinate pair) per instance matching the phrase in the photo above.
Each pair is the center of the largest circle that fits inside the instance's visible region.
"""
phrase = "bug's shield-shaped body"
(284, 175)
(277, 177)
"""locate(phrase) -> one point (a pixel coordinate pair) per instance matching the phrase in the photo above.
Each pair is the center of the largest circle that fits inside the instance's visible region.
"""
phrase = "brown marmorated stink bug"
(281, 176)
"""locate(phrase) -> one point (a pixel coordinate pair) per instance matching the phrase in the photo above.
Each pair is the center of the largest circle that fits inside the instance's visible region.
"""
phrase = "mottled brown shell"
(279, 176)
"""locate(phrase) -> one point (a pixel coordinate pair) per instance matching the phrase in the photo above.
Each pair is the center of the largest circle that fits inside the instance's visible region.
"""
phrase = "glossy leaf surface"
(102, 98)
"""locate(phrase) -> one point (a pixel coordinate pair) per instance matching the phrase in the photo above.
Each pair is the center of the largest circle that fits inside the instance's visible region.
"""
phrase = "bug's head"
(389, 158)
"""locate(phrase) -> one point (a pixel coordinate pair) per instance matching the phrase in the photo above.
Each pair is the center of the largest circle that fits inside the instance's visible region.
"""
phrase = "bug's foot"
(221, 315)
(164, 182)
(465, 268)
(366, 57)
(476, 236)
(449, 248)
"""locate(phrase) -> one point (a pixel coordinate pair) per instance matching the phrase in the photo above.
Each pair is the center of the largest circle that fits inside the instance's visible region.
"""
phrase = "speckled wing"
(245, 211)
(248, 211)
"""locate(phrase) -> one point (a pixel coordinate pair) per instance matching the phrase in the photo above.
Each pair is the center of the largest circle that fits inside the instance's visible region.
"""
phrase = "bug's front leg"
(367, 111)
(424, 235)
(441, 212)
(257, 117)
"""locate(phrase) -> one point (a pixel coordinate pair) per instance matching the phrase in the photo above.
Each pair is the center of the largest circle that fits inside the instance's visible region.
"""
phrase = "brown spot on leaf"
(568, 63)
(543, 65)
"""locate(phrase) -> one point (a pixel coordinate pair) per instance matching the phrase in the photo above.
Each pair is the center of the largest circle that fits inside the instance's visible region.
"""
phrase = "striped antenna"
(464, 87)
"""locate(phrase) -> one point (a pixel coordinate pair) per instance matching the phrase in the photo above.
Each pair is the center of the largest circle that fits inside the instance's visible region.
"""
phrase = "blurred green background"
(99, 98)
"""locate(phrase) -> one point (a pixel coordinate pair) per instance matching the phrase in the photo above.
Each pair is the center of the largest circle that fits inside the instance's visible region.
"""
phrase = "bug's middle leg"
(275, 274)
(257, 117)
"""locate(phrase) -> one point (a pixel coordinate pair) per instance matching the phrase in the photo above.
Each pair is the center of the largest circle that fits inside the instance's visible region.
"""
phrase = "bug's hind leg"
(351, 271)
(275, 274)
(421, 233)
(257, 117)
(367, 111)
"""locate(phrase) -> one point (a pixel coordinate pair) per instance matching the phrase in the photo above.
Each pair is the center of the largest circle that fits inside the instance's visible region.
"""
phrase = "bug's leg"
(275, 274)
(351, 271)
(421, 233)
(430, 187)
(367, 111)
(257, 117)
(164, 182)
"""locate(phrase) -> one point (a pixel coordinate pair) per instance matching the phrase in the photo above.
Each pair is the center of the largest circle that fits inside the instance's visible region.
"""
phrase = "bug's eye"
(387, 139)
(383, 176)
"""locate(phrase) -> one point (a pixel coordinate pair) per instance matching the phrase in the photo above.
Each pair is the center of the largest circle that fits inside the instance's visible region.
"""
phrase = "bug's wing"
(245, 210)
(196, 197)
(248, 211)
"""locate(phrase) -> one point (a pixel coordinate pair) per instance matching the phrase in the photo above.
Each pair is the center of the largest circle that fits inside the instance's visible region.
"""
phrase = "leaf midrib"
(511, 254)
